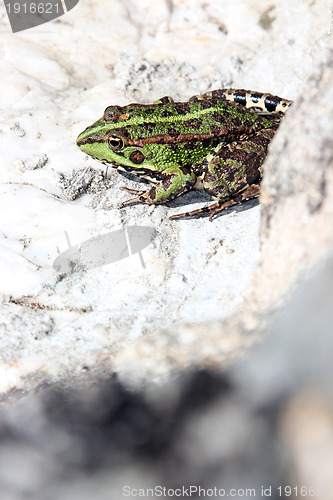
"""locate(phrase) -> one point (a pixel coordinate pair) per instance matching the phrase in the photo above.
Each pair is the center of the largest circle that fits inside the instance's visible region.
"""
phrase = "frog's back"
(169, 122)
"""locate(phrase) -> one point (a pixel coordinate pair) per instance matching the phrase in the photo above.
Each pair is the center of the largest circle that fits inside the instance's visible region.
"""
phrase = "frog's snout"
(83, 139)
(79, 140)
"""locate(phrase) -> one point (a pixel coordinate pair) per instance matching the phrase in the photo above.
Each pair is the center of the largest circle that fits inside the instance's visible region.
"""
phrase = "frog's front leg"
(176, 181)
(233, 172)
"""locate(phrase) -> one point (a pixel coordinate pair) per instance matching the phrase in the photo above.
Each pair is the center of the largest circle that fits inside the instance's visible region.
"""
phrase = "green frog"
(216, 141)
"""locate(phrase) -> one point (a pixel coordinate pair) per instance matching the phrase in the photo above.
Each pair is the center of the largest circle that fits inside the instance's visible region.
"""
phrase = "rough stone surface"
(265, 423)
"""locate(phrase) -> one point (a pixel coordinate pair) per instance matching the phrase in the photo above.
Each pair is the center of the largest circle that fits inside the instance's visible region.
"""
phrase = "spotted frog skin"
(217, 141)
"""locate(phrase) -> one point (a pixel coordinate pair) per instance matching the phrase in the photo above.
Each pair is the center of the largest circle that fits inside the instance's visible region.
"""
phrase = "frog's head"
(110, 140)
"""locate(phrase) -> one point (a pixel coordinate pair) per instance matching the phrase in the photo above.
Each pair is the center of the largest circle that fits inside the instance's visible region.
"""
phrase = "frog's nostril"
(83, 140)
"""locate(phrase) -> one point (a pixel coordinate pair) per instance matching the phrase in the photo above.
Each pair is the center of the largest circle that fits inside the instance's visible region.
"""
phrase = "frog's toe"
(198, 213)
(132, 191)
(138, 199)
(143, 197)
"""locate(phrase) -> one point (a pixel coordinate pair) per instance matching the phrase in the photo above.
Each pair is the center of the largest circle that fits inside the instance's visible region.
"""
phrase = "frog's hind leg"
(233, 172)
(249, 193)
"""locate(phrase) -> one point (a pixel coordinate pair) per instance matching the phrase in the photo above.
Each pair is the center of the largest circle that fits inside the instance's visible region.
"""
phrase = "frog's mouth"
(95, 147)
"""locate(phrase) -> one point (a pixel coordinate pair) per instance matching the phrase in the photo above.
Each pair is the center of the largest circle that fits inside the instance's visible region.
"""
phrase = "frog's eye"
(115, 143)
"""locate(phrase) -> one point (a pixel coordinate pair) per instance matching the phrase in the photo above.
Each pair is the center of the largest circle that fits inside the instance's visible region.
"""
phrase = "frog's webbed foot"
(249, 193)
(138, 199)
(149, 197)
